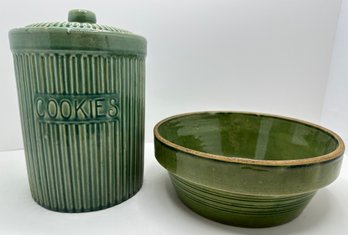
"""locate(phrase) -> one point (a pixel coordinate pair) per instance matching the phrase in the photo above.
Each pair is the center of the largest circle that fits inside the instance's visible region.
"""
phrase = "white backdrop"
(277, 56)
(257, 55)
(335, 111)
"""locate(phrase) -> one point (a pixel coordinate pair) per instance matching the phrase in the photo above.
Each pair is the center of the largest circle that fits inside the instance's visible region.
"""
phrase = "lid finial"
(81, 16)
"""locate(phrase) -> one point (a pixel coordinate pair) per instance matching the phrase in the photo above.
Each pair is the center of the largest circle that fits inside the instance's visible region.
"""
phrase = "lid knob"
(81, 16)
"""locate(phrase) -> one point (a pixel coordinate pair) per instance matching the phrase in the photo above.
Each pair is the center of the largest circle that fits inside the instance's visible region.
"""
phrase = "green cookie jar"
(81, 89)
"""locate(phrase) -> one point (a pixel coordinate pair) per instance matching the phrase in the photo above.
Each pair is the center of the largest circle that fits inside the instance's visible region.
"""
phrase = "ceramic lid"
(80, 32)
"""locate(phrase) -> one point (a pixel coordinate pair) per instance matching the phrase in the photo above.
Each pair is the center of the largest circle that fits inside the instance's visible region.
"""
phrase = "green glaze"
(81, 89)
(245, 169)
(77, 36)
(82, 16)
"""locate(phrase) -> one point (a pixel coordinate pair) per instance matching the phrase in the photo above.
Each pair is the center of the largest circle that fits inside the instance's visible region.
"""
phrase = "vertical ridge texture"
(83, 127)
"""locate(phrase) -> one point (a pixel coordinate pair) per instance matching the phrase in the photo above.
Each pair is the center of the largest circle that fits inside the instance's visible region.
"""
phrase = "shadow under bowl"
(247, 169)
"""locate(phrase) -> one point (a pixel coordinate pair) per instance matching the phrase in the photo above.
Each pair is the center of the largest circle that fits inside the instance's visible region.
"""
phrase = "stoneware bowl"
(247, 169)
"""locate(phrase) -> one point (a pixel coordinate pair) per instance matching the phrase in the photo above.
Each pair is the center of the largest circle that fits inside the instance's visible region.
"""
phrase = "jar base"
(88, 208)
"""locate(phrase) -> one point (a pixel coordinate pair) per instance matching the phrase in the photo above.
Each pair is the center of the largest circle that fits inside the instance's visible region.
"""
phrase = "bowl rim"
(336, 153)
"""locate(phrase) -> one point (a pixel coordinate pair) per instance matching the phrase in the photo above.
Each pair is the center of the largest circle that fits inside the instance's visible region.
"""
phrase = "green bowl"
(247, 169)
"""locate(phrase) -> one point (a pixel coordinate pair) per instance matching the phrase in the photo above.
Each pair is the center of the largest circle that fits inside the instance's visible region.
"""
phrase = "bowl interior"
(248, 136)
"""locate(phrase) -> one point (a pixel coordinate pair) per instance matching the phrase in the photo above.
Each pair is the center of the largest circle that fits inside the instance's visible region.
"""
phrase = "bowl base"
(238, 209)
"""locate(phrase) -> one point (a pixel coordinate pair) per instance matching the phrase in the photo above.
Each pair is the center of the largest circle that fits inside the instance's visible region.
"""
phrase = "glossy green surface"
(80, 33)
(237, 209)
(82, 16)
(245, 194)
(248, 136)
(81, 89)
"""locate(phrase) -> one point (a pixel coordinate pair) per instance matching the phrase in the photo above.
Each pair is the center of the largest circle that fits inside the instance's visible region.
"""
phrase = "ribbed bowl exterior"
(251, 211)
(82, 117)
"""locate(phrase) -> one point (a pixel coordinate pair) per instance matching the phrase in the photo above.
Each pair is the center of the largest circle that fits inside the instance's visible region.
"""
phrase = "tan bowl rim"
(306, 161)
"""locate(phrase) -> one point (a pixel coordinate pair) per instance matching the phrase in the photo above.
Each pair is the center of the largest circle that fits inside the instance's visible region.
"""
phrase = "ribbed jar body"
(82, 115)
